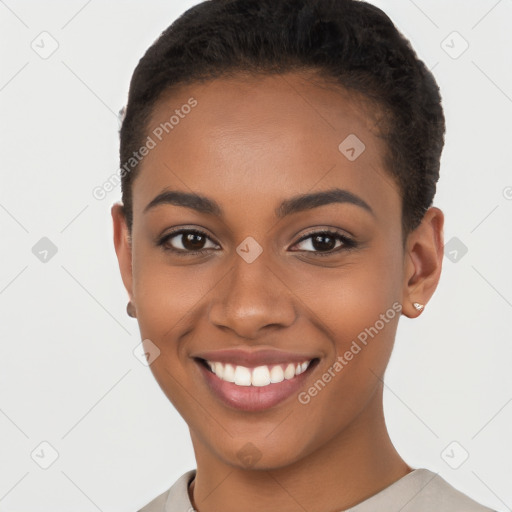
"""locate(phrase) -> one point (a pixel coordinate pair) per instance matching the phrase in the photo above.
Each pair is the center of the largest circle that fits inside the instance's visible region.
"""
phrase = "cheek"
(167, 295)
(358, 307)
(352, 297)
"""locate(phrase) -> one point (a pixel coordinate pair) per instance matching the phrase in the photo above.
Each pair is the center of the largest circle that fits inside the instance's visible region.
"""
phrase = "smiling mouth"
(259, 376)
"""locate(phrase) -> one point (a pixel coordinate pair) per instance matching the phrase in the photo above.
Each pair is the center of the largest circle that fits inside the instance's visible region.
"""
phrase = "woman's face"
(268, 289)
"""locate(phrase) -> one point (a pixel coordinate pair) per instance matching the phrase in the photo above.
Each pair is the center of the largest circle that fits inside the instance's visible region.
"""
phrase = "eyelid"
(328, 230)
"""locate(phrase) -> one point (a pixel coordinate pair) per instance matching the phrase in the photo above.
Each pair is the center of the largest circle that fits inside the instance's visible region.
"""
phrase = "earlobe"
(122, 244)
(423, 262)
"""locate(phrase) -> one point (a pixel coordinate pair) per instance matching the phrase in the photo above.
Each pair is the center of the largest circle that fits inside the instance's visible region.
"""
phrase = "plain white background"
(68, 375)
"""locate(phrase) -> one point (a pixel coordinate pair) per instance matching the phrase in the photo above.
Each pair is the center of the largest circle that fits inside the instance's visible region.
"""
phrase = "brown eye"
(192, 241)
(185, 241)
(328, 242)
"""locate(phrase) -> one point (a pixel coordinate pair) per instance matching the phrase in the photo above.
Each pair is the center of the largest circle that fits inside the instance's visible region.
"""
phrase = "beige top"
(418, 491)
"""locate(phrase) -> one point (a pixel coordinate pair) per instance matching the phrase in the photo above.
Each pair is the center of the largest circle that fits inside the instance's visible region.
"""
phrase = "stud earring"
(130, 309)
(418, 306)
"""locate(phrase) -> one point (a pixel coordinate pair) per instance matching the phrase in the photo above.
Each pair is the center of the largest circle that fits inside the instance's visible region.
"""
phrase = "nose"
(252, 299)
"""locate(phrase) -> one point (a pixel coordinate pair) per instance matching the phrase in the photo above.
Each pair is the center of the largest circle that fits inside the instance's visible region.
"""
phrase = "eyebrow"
(289, 206)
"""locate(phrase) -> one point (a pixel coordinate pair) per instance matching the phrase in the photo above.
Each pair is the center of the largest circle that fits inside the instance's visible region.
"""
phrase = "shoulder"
(421, 491)
(157, 504)
(435, 493)
(174, 498)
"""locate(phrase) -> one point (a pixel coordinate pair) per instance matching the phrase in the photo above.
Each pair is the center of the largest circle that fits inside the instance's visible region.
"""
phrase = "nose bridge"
(252, 297)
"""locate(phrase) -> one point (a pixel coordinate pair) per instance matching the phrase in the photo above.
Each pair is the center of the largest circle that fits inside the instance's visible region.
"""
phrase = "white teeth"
(276, 374)
(242, 376)
(289, 373)
(218, 369)
(260, 376)
(229, 373)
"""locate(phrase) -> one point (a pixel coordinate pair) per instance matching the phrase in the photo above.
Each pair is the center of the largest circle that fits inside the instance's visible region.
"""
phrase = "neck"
(353, 466)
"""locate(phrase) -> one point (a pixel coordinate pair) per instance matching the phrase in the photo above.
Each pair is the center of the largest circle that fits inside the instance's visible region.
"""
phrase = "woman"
(279, 162)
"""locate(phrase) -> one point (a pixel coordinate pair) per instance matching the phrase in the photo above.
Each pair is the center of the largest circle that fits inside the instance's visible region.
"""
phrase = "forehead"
(248, 138)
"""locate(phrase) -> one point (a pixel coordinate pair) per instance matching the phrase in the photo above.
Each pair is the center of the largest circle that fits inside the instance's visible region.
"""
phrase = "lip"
(253, 398)
(253, 358)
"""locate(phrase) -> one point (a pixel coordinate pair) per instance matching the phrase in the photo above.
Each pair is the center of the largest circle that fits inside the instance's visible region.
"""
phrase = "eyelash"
(348, 243)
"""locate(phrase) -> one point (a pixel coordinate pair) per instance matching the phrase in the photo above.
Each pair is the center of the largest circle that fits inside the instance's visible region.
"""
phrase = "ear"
(122, 243)
(423, 261)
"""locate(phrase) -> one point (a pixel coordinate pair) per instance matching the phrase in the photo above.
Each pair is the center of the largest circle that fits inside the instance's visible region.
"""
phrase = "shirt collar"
(403, 492)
